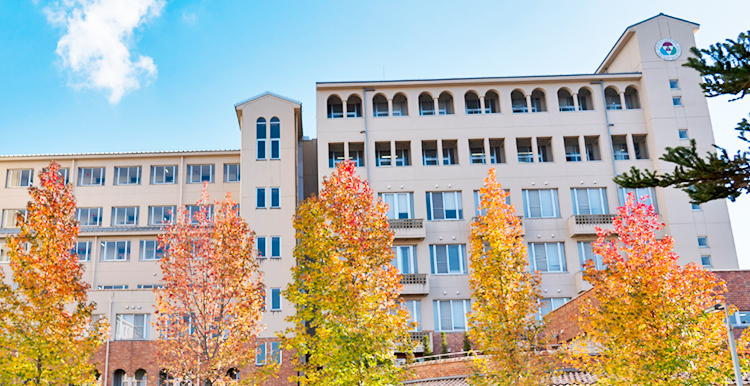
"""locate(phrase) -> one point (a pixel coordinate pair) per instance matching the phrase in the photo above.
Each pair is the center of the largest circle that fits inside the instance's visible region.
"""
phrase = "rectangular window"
(383, 154)
(275, 352)
(90, 176)
(275, 198)
(131, 327)
(159, 215)
(741, 318)
(150, 250)
(478, 200)
(125, 215)
(128, 175)
(10, 217)
(592, 148)
(585, 254)
(275, 138)
(275, 299)
(544, 149)
(589, 201)
(426, 106)
(450, 152)
(676, 101)
(540, 203)
(231, 172)
(260, 354)
(115, 251)
(275, 247)
(450, 315)
(706, 261)
(193, 210)
(415, 313)
(547, 257)
(64, 173)
(683, 133)
(357, 153)
(551, 304)
(405, 258)
(89, 217)
(335, 154)
(198, 174)
(403, 153)
(444, 206)
(113, 287)
(260, 197)
(260, 138)
(448, 259)
(261, 242)
(19, 178)
(640, 147)
(400, 205)
(83, 250)
(674, 84)
(696, 207)
(429, 153)
(497, 151)
(149, 286)
(163, 174)
(702, 242)
(647, 195)
(572, 149)
(525, 152)
(476, 151)
(620, 146)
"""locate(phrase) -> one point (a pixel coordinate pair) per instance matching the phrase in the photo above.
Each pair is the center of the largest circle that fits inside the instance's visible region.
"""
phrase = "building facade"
(425, 146)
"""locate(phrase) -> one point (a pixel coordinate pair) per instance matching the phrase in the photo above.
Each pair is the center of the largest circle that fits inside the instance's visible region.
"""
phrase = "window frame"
(152, 212)
(434, 259)
(562, 259)
(677, 101)
(260, 198)
(527, 205)
(582, 258)
(602, 193)
(275, 140)
(277, 190)
(437, 313)
(11, 182)
(164, 168)
(191, 169)
(398, 258)
(88, 250)
(105, 246)
(227, 172)
(275, 244)
(275, 295)
(156, 252)
(79, 212)
(261, 152)
(262, 252)
(116, 209)
(118, 174)
(119, 327)
(458, 201)
(82, 171)
(396, 206)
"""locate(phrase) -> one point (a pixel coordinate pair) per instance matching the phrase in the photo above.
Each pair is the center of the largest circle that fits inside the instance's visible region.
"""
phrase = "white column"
(440, 151)
(486, 150)
(575, 101)
(582, 147)
(528, 105)
(631, 148)
(534, 149)
(343, 104)
(393, 153)
(481, 104)
(437, 105)
(390, 107)
(622, 99)
(346, 150)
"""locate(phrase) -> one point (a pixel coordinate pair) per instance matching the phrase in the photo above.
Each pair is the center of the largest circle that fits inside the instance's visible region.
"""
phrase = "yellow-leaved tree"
(47, 336)
(348, 319)
(504, 325)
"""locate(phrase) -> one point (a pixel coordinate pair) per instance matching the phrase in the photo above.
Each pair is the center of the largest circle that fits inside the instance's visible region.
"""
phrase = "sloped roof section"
(267, 93)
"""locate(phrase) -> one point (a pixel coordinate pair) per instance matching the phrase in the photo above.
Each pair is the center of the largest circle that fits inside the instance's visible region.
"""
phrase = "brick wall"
(455, 342)
(738, 287)
(440, 368)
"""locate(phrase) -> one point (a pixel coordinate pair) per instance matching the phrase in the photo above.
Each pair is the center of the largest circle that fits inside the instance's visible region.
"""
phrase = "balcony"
(585, 224)
(417, 336)
(407, 228)
(415, 284)
(581, 285)
(520, 218)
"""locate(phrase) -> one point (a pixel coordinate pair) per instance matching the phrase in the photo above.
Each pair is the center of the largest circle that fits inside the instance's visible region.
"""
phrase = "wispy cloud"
(98, 40)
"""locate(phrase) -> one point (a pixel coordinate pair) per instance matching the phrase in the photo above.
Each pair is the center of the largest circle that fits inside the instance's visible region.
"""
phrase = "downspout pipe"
(109, 338)
(609, 133)
(367, 142)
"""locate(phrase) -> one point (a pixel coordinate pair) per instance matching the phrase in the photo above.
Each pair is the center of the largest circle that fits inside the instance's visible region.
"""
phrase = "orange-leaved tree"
(348, 319)
(506, 295)
(47, 336)
(209, 308)
(645, 314)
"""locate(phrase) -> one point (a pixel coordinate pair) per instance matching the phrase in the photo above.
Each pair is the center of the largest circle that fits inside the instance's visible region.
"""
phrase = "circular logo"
(668, 49)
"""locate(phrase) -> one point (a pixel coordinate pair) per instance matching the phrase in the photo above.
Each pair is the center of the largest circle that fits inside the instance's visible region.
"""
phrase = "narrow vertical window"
(231, 172)
(260, 200)
(275, 198)
(261, 247)
(275, 138)
(275, 299)
(260, 130)
(260, 354)
(275, 247)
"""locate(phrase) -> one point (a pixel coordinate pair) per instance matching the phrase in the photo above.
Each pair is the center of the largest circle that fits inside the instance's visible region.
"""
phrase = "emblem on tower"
(668, 49)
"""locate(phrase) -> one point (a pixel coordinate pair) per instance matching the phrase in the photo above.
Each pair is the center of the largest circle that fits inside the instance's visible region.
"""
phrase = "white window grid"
(231, 172)
(127, 215)
(450, 315)
(540, 203)
(260, 353)
(159, 215)
(83, 250)
(547, 257)
(89, 216)
(150, 250)
(550, 304)
(197, 174)
(589, 200)
(193, 210)
(585, 253)
(275, 352)
(10, 218)
(275, 138)
(132, 327)
(127, 175)
(645, 195)
(448, 259)
(261, 135)
(115, 251)
(429, 157)
(414, 307)
(400, 205)
(451, 209)
(405, 258)
(90, 176)
(164, 175)
(20, 178)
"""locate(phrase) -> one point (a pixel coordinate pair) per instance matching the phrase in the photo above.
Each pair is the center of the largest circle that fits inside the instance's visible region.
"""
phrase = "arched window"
(335, 107)
(472, 103)
(260, 130)
(141, 378)
(119, 378)
(426, 104)
(275, 137)
(400, 106)
(445, 104)
(612, 98)
(538, 101)
(565, 100)
(491, 103)
(585, 100)
(354, 107)
(631, 98)
(518, 102)
(379, 106)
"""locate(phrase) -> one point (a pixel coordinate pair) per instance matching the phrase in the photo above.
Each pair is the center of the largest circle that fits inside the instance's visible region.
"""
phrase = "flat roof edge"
(481, 79)
(116, 153)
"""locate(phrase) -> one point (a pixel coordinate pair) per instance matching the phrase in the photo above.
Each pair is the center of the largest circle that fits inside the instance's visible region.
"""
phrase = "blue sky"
(192, 60)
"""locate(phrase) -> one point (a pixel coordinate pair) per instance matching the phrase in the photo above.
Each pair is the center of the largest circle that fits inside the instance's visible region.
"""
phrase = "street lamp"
(730, 335)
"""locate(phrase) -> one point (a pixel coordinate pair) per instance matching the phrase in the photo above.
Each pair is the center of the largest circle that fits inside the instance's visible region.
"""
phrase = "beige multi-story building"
(425, 146)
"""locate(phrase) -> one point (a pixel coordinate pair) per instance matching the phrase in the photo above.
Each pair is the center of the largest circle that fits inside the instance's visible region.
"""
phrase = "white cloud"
(97, 43)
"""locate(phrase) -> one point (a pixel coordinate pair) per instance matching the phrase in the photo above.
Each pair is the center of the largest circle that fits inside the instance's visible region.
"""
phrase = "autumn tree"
(506, 295)
(46, 332)
(348, 320)
(645, 314)
(209, 308)
(725, 67)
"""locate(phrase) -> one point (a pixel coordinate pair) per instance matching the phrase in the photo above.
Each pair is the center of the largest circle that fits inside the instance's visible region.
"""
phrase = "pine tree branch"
(729, 70)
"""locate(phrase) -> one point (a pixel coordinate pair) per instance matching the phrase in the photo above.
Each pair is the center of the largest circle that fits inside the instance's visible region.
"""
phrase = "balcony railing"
(407, 228)
(586, 224)
(414, 278)
(415, 284)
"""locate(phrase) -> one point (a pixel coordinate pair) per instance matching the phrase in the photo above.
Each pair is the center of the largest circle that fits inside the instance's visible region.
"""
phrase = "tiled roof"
(118, 153)
(267, 93)
(567, 378)
(442, 381)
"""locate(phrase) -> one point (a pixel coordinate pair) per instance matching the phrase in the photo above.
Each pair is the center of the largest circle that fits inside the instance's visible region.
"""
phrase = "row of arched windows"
(262, 139)
(489, 103)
